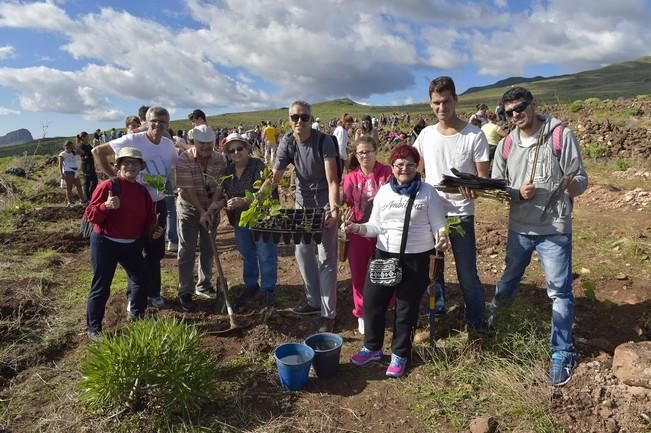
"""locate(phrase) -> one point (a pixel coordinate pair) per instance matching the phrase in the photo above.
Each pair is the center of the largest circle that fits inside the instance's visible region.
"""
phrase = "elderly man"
(160, 157)
(313, 155)
(198, 174)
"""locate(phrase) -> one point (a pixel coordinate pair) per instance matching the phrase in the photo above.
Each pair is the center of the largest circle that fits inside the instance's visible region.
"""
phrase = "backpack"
(86, 227)
(557, 142)
(291, 150)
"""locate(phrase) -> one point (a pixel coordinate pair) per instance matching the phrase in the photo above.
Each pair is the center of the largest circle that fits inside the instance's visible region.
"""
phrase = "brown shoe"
(327, 325)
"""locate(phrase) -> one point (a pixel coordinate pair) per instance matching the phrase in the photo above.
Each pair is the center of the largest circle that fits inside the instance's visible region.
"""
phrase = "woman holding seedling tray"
(260, 258)
(360, 187)
(409, 223)
(122, 214)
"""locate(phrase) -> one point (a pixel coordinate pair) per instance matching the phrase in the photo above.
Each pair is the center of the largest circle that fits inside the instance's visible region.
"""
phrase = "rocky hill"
(20, 136)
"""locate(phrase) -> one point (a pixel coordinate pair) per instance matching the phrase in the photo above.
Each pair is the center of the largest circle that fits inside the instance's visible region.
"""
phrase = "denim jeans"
(105, 255)
(172, 229)
(260, 260)
(465, 257)
(555, 252)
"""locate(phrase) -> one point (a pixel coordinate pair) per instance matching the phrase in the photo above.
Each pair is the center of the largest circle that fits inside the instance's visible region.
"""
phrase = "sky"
(74, 65)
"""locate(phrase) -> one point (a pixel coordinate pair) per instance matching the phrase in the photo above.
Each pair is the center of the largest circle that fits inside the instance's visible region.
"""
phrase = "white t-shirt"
(388, 218)
(69, 161)
(441, 153)
(160, 158)
(342, 141)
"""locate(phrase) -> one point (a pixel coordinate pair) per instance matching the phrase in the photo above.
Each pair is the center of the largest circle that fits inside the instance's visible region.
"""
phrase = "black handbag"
(388, 272)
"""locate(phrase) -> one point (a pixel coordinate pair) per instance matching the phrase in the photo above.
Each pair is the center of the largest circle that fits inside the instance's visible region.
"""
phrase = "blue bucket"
(293, 363)
(327, 350)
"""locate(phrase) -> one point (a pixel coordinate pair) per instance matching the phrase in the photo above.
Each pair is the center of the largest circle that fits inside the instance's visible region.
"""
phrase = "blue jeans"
(172, 230)
(105, 255)
(465, 257)
(555, 252)
(260, 260)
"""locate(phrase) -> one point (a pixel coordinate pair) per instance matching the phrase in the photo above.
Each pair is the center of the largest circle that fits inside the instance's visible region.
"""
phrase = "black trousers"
(409, 292)
(153, 251)
(90, 182)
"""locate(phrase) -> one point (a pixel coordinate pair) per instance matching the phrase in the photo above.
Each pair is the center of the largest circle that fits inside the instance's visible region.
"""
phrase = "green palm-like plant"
(153, 362)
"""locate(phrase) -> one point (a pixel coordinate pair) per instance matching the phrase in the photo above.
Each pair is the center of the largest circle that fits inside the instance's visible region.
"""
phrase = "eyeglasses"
(518, 108)
(236, 149)
(304, 117)
(130, 162)
(365, 152)
(405, 167)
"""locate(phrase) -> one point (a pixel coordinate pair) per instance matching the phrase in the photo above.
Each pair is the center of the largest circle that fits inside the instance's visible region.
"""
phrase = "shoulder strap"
(116, 187)
(557, 139)
(506, 146)
(291, 147)
(405, 228)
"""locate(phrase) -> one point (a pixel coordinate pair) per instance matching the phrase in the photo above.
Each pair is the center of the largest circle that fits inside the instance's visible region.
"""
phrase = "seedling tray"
(291, 225)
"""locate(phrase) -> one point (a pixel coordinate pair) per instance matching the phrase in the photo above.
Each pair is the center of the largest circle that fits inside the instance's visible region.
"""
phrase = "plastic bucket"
(327, 349)
(293, 363)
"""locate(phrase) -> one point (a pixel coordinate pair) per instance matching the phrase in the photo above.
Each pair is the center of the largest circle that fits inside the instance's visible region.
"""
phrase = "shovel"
(223, 284)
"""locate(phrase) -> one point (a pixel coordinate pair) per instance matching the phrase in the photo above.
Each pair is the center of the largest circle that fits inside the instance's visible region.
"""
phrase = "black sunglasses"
(303, 117)
(518, 108)
(235, 149)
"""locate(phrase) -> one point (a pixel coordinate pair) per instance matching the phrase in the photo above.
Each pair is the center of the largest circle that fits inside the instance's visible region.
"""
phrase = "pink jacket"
(359, 190)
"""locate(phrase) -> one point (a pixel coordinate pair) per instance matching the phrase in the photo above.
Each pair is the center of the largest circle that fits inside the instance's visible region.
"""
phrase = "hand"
(442, 243)
(157, 232)
(206, 220)
(467, 193)
(527, 191)
(572, 186)
(236, 203)
(350, 227)
(112, 202)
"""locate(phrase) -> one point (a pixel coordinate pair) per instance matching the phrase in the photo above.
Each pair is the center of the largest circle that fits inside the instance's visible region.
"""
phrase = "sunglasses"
(518, 108)
(236, 149)
(303, 117)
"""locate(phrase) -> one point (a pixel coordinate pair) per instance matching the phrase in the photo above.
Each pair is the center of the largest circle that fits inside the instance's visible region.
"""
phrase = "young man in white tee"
(454, 143)
(159, 153)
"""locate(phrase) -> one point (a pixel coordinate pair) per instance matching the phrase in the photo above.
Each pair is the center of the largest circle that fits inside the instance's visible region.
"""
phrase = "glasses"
(518, 108)
(365, 152)
(125, 162)
(304, 117)
(236, 149)
(405, 167)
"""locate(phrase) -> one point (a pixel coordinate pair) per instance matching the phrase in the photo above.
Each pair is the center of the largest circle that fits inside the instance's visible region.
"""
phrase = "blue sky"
(68, 66)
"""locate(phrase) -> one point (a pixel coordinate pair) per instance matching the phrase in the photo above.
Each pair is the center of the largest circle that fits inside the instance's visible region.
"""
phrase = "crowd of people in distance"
(388, 209)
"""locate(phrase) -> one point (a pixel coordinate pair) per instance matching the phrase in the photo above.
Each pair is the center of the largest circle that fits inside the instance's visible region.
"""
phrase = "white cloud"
(4, 111)
(6, 52)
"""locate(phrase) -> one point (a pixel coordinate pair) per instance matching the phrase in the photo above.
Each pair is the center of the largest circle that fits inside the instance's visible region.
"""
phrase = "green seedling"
(589, 290)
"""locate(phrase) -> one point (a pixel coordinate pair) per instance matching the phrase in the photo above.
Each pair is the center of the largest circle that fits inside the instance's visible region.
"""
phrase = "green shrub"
(595, 150)
(643, 97)
(622, 164)
(158, 363)
(592, 101)
(576, 106)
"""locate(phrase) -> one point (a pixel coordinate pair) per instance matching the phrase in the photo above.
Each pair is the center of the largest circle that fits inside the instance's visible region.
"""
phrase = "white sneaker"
(360, 325)
(156, 302)
(128, 306)
(172, 247)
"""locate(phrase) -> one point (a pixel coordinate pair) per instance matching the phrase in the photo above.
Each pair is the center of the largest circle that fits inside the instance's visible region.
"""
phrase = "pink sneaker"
(365, 356)
(397, 367)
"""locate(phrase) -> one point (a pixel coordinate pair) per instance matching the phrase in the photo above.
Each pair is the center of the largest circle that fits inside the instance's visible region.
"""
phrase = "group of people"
(394, 211)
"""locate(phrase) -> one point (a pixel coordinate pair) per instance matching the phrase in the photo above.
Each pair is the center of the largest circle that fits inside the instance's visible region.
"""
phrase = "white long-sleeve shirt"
(388, 218)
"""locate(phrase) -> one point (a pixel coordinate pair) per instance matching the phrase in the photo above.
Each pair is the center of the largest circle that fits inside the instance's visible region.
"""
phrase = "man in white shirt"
(160, 156)
(454, 143)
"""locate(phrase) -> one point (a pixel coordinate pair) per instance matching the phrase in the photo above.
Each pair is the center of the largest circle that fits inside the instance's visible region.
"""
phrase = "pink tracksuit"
(359, 191)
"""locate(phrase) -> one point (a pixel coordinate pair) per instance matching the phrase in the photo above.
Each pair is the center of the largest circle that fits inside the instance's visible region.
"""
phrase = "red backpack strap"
(557, 139)
(506, 147)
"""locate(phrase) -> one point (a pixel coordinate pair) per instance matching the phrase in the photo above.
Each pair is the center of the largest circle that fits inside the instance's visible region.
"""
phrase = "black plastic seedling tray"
(292, 225)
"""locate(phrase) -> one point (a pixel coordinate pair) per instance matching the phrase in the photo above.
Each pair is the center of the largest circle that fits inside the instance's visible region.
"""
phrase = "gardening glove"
(112, 202)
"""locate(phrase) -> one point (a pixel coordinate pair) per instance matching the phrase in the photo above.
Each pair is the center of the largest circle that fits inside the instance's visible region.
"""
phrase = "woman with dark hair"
(419, 126)
(366, 128)
(87, 163)
(361, 184)
(425, 232)
(68, 167)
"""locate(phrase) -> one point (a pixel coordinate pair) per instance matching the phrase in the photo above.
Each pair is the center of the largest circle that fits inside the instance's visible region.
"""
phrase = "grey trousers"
(188, 230)
(318, 267)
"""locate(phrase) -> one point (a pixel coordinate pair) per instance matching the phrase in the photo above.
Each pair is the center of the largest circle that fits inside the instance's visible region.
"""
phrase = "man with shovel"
(541, 162)
(198, 173)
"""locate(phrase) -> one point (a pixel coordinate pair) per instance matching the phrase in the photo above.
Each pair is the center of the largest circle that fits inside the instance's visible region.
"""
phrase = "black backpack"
(86, 227)
(291, 151)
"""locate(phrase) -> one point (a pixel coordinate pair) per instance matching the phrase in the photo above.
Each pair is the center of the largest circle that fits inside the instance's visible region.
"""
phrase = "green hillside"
(619, 80)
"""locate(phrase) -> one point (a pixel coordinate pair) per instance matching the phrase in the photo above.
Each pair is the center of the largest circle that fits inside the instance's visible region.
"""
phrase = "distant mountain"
(511, 81)
(19, 136)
